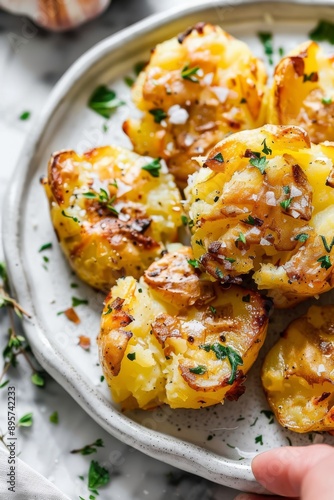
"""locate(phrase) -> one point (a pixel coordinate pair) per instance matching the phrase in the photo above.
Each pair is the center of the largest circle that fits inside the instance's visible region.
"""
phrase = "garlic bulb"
(56, 15)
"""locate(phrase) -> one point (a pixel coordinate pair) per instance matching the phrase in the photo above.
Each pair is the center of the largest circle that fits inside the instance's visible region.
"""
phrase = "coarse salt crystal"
(321, 369)
(221, 92)
(264, 242)
(295, 192)
(270, 199)
(189, 139)
(207, 80)
(178, 115)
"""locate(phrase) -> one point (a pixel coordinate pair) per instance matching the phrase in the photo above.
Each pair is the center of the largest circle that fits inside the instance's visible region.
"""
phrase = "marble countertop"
(31, 62)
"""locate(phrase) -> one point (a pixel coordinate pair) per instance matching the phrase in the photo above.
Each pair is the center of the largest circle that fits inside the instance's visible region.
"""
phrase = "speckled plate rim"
(168, 449)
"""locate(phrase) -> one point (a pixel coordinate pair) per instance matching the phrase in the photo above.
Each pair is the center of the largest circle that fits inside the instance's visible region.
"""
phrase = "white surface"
(31, 61)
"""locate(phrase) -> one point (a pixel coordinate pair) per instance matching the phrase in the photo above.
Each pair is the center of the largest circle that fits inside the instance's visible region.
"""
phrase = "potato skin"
(168, 321)
(302, 80)
(297, 373)
(226, 94)
(292, 197)
(100, 245)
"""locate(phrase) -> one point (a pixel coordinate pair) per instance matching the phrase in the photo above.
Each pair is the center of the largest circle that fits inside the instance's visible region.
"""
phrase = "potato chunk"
(196, 88)
(111, 215)
(263, 205)
(174, 338)
(302, 92)
(297, 374)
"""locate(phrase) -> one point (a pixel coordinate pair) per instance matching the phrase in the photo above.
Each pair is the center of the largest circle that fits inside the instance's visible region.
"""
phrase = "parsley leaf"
(324, 31)
(25, 115)
(158, 114)
(25, 421)
(259, 440)
(153, 168)
(129, 81)
(267, 42)
(328, 247)
(89, 448)
(199, 370)
(194, 263)
(269, 414)
(325, 261)
(312, 77)
(213, 310)
(302, 237)
(46, 246)
(78, 302)
(253, 221)
(131, 356)
(286, 203)
(97, 476)
(54, 418)
(260, 163)
(219, 157)
(139, 66)
(326, 100)
(219, 273)
(104, 198)
(104, 101)
(241, 238)
(38, 379)
(69, 216)
(188, 73)
(223, 352)
(266, 150)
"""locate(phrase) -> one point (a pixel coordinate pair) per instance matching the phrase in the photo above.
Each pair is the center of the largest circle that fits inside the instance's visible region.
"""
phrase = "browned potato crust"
(297, 374)
(196, 88)
(175, 338)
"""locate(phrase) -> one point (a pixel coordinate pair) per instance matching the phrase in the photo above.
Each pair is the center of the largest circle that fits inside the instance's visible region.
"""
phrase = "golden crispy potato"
(297, 374)
(174, 338)
(263, 203)
(302, 92)
(196, 88)
(112, 216)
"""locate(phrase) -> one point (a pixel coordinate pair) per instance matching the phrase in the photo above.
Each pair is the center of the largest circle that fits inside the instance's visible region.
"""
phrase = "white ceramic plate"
(217, 443)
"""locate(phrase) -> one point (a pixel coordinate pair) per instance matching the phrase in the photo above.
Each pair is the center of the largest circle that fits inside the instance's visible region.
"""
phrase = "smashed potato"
(302, 93)
(297, 374)
(263, 204)
(113, 212)
(196, 88)
(174, 338)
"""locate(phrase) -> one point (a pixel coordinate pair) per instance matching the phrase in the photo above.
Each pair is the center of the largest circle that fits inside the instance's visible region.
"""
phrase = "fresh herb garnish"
(325, 261)
(108, 311)
(229, 259)
(253, 221)
(102, 378)
(241, 238)
(219, 273)
(267, 42)
(324, 31)
(266, 150)
(131, 356)
(74, 285)
(129, 81)
(200, 243)
(328, 247)
(89, 448)
(286, 189)
(46, 259)
(281, 51)
(187, 222)
(158, 114)
(269, 414)
(213, 310)
(252, 425)
(69, 216)
(259, 162)
(54, 418)
(286, 203)
(223, 352)
(326, 100)
(104, 101)
(26, 420)
(102, 197)
(188, 73)
(38, 379)
(139, 66)
(97, 476)
(78, 302)
(194, 263)
(46, 246)
(259, 440)
(312, 77)
(198, 370)
(302, 237)
(219, 157)
(153, 168)
(25, 115)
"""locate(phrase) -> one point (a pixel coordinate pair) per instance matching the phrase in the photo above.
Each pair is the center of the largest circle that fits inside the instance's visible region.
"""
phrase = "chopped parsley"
(74, 285)
(108, 311)
(89, 448)
(54, 418)
(302, 237)
(26, 420)
(198, 370)
(229, 259)
(194, 263)
(325, 261)
(25, 116)
(219, 273)
(269, 414)
(158, 114)
(69, 216)
(187, 222)
(259, 162)
(326, 100)
(328, 247)
(323, 32)
(139, 66)
(104, 101)
(131, 356)
(259, 440)
(286, 189)
(102, 197)
(129, 81)
(219, 157)
(97, 476)
(266, 150)
(252, 425)
(312, 77)
(286, 203)
(188, 73)
(213, 310)
(281, 51)
(267, 42)
(46, 246)
(153, 168)
(241, 238)
(46, 259)
(252, 221)
(38, 379)
(223, 352)
(102, 378)
(78, 302)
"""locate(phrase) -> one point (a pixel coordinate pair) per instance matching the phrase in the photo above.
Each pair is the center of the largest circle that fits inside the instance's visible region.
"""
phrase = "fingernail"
(243, 496)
